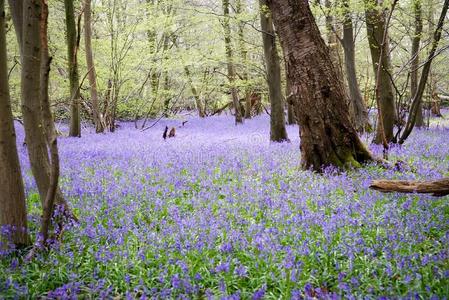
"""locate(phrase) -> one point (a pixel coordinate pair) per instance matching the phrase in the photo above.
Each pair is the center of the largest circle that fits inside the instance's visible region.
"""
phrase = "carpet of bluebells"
(220, 213)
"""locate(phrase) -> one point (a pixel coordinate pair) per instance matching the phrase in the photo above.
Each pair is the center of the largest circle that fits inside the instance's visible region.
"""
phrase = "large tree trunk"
(35, 136)
(358, 107)
(416, 39)
(375, 25)
(278, 133)
(72, 45)
(230, 62)
(13, 213)
(327, 135)
(98, 118)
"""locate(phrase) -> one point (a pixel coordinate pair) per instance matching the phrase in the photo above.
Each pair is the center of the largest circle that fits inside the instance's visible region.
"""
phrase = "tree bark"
(91, 67)
(327, 135)
(291, 118)
(435, 187)
(50, 130)
(230, 62)
(13, 213)
(72, 45)
(416, 40)
(375, 25)
(278, 133)
(358, 107)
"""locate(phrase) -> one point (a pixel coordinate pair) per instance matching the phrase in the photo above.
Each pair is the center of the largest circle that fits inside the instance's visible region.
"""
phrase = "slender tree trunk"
(436, 102)
(327, 135)
(13, 213)
(35, 136)
(278, 133)
(230, 62)
(72, 45)
(332, 38)
(358, 107)
(416, 40)
(375, 25)
(97, 116)
(16, 8)
(50, 129)
(240, 8)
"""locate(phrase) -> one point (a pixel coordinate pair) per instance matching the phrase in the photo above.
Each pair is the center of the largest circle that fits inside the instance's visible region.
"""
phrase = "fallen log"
(437, 188)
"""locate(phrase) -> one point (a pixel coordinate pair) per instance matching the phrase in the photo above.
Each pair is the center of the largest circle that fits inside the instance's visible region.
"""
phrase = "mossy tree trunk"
(327, 134)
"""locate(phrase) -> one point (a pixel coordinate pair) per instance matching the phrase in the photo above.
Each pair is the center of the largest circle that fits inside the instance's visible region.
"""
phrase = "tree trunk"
(91, 67)
(332, 38)
(436, 102)
(50, 130)
(435, 187)
(240, 9)
(16, 8)
(35, 136)
(72, 48)
(327, 135)
(436, 105)
(13, 213)
(198, 103)
(358, 107)
(230, 62)
(416, 39)
(278, 133)
(375, 25)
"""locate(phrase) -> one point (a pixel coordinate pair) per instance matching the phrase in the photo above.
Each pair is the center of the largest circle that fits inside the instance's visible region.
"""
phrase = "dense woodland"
(232, 149)
(149, 58)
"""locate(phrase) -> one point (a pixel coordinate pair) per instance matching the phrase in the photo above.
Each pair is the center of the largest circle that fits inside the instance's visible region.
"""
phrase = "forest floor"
(219, 212)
